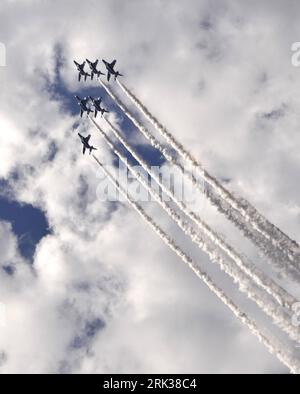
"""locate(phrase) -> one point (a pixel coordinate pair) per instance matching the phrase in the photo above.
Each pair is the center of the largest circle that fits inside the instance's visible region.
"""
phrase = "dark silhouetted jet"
(93, 68)
(85, 143)
(81, 72)
(83, 105)
(110, 69)
(97, 106)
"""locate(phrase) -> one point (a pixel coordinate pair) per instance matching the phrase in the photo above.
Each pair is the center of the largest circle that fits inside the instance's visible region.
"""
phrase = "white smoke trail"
(274, 255)
(281, 296)
(250, 214)
(279, 316)
(274, 346)
(155, 143)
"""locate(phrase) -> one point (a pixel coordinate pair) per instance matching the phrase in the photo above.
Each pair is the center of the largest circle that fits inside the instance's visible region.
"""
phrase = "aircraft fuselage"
(109, 67)
(83, 140)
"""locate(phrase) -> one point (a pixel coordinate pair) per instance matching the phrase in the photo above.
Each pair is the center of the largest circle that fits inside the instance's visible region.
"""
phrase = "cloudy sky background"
(101, 293)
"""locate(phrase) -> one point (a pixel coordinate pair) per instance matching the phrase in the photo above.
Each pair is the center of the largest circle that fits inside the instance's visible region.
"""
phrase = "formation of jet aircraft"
(95, 102)
(94, 71)
(85, 143)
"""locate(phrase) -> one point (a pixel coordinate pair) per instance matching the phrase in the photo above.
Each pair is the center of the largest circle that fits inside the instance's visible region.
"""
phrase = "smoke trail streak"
(274, 346)
(250, 214)
(273, 254)
(156, 144)
(281, 296)
(280, 317)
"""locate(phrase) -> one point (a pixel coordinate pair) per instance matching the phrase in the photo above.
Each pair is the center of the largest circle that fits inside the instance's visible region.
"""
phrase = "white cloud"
(209, 72)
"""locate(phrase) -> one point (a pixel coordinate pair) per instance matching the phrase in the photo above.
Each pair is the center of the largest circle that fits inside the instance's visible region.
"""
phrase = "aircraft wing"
(88, 138)
(113, 63)
(79, 77)
(83, 150)
(108, 76)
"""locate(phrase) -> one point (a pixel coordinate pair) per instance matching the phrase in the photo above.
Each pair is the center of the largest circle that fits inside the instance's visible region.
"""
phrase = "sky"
(85, 285)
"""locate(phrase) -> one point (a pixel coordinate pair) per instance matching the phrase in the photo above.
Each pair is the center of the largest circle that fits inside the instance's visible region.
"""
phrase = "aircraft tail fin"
(92, 148)
(118, 75)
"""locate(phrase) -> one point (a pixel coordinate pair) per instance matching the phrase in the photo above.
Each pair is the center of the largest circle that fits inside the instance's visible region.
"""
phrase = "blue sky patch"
(28, 223)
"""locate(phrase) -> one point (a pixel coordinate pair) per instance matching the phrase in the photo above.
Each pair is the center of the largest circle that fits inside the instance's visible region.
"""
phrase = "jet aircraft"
(81, 72)
(85, 143)
(93, 68)
(97, 106)
(83, 105)
(110, 69)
